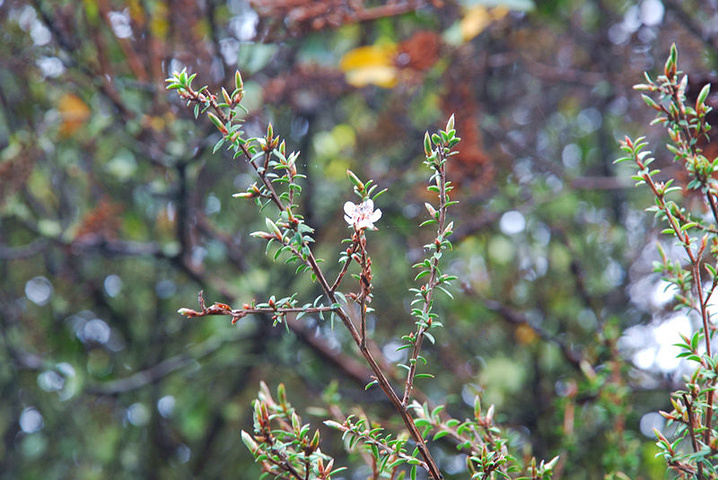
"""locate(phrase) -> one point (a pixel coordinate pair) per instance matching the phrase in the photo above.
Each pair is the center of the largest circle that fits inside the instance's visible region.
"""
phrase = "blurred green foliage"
(114, 213)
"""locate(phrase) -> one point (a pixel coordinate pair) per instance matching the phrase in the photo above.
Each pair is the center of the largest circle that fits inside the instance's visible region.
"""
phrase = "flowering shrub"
(280, 441)
(287, 447)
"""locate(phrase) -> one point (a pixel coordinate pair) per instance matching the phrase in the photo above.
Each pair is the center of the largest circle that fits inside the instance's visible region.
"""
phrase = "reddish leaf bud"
(227, 99)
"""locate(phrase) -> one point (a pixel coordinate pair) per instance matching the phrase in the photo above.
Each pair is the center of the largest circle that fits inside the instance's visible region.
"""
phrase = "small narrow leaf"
(450, 123)
(427, 144)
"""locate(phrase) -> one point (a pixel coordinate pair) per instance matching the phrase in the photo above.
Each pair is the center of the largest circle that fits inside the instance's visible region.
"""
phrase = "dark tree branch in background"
(564, 75)
(157, 372)
(691, 25)
(71, 59)
(516, 318)
(35, 247)
(345, 363)
(208, 228)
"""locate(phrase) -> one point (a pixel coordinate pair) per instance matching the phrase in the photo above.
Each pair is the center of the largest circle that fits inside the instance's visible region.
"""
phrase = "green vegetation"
(552, 350)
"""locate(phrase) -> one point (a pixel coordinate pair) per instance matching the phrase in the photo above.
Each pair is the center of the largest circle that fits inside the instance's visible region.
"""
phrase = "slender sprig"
(690, 285)
(693, 408)
(360, 218)
(438, 149)
(277, 308)
(686, 125)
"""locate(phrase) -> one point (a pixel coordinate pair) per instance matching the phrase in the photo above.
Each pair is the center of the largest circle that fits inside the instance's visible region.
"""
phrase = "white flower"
(363, 215)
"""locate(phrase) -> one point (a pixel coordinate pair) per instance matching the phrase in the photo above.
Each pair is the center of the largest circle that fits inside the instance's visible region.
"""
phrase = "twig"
(691, 429)
(350, 251)
(276, 310)
(427, 289)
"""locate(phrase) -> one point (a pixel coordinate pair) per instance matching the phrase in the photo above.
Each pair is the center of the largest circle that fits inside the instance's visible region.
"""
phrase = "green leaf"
(650, 102)
(450, 123)
(341, 297)
(238, 83)
(371, 384)
(427, 144)
(421, 274)
(448, 293)
(670, 67)
(218, 145)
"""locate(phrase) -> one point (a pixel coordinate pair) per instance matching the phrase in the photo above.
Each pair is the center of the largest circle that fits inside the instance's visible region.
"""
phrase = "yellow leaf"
(477, 18)
(373, 64)
(154, 122)
(525, 335)
(385, 77)
(159, 25)
(73, 112)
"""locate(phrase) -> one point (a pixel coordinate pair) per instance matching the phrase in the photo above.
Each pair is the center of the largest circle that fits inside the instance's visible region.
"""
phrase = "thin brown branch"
(345, 267)
(690, 24)
(391, 9)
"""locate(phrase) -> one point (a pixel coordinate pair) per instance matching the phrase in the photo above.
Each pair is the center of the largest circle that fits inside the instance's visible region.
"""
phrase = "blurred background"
(114, 213)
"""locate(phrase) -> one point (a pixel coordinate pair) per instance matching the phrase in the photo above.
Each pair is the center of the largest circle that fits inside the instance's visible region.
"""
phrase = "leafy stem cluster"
(280, 441)
(267, 158)
(694, 276)
(387, 454)
(482, 440)
(438, 149)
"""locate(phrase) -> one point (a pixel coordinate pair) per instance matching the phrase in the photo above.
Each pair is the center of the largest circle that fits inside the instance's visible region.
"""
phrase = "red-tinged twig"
(350, 251)
(691, 430)
(694, 258)
(237, 314)
(365, 282)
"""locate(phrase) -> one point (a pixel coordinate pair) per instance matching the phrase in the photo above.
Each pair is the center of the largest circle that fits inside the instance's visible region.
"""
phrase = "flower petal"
(350, 208)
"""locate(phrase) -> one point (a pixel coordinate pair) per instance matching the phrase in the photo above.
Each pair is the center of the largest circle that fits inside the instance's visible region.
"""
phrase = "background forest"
(114, 213)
